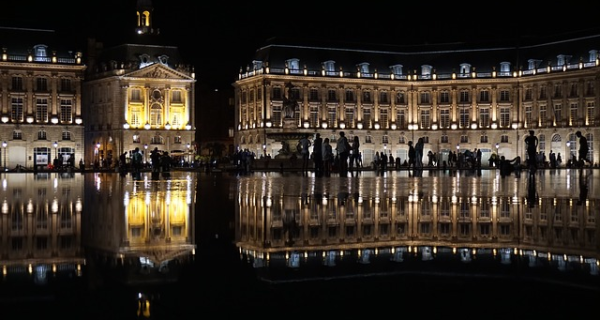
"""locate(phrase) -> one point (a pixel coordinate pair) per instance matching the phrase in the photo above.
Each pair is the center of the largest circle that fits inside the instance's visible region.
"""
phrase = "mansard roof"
(444, 58)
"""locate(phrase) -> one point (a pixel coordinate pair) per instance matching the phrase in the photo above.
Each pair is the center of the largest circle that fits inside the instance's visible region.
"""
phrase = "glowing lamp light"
(29, 119)
(324, 125)
(125, 125)
(377, 126)
(473, 125)
(393, 126)
(306, 124)
(434, 126)
(515, 125)
(5, 119)
(359, 125)
(342, 125)
(54, 120)
(453, 126)
(494, 125)
(168, 126)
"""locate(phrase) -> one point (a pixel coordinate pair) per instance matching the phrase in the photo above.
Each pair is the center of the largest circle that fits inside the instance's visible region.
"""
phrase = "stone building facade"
(456, 98)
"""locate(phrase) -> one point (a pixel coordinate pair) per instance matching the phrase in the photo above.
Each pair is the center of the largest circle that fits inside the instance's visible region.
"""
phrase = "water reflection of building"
(40, 226)
(145, 227)
(55, 225)
(371, 222)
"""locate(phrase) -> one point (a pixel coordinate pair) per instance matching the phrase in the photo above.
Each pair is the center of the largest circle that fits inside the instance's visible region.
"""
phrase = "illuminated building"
(138, 94)
(40, 104)
(455, 96)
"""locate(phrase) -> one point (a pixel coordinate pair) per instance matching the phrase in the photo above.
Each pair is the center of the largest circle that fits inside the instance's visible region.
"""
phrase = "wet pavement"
(269, 244)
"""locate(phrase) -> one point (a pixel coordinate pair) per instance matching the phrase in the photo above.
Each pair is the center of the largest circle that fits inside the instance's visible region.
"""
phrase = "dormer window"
(145, 60)
(329, 67)
(562, 59)
(593, 55)
(533, 64)
(293, 65)
(257, 65)
(426, 71)
(40, 52)
(363, 68)
(504, 68)
(465, 69)
(164, 59)
(397, 69)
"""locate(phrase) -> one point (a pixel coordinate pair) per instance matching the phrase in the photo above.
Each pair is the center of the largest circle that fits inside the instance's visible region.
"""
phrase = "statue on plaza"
(290, 105)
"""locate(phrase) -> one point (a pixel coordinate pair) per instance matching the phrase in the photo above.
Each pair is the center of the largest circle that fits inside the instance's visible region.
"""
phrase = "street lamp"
(55, 144)
(4, 144)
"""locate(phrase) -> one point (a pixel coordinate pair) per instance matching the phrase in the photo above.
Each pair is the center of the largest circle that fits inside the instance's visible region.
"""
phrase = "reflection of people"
(583, 188)
(583, 149)
(318, 154)
(531, 142)
(531, 191)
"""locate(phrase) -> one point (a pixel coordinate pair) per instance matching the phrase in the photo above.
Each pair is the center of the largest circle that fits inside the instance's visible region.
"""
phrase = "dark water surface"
(280, 245)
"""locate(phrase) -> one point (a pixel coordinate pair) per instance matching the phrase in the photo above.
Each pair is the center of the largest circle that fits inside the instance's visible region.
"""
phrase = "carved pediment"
(157, 71)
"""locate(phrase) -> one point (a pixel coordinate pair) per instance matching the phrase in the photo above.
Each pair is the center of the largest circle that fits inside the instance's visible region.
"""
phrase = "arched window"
(156, 115)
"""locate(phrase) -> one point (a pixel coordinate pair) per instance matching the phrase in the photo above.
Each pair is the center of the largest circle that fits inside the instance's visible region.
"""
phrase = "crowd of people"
(345, 155)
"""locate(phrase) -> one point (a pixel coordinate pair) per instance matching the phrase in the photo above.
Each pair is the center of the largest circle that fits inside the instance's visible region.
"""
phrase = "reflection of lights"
(54, 207)
(78, 205)
(30, 206)
(4, 207)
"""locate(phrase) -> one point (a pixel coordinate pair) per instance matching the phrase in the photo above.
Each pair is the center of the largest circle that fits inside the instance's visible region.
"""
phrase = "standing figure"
(304, 144)
(355, 153)
(411, 155)
(531, 143)
(419, 153)
(343, 150)
(583, 149)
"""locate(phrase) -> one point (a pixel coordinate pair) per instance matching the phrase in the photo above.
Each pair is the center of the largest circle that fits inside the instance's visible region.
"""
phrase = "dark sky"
(220, 36)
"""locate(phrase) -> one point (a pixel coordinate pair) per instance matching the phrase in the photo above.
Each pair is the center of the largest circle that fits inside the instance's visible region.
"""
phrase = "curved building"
(456, 96)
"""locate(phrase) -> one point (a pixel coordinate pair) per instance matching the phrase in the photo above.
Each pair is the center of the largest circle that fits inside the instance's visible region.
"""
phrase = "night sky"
(219, 37)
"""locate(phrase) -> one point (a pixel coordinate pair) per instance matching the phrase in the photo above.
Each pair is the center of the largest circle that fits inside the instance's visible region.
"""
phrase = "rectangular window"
(350, 96)
(366, 98)
(542, 92)
(331, 116)
(573, 113)
(425, 119)
(464, 96)
(16, 112)
(401, 118)
(464, 139)
(176, 96)
(136, 117)
(444, 139)
(17, 83)
(41, 84)
(528, 115)
(425, 98)
(136, 95)
(349, 116)
(65, 85)
(367, 117)
(528, 94)
(445, 118)
(504, 96)
(277, 93)
(504, 138)
(66, 111)
(484, 118)
(400, 98)
(557, 112)
(464, 118)
(542, 114)
(444, 97)
(331, 96)
(314, 116)
(504, 117)
(383, 97)
(383, 118)
(41, 110)
(484, 139)
(591, 106)
(313, 94)
(484, 96)
(276, 115)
